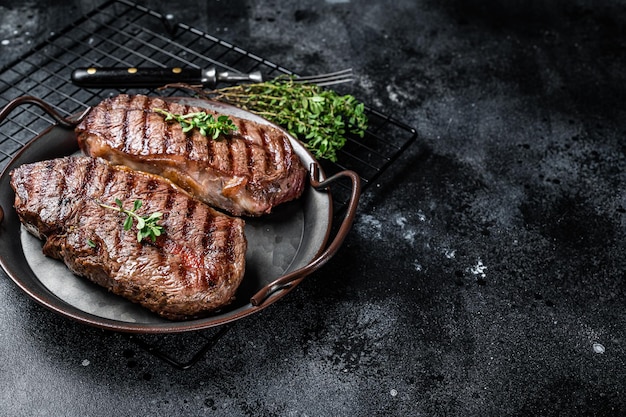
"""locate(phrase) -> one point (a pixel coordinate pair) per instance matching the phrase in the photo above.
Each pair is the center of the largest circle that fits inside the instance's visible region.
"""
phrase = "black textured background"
(485, 274)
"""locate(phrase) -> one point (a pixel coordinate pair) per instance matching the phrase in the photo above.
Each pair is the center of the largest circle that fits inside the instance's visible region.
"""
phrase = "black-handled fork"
(150, 77)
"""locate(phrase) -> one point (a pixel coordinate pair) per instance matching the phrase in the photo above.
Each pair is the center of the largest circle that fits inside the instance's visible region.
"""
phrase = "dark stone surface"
(485, 273)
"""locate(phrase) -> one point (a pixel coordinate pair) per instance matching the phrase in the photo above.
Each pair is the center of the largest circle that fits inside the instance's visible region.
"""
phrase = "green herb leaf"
(147, 226)
(206, 123)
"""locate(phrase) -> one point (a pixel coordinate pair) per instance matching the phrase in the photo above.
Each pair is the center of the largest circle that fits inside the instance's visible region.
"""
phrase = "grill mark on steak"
(273, 159)
(62, 203)
(224, 161)
(268, 162)
(152, 185)
(193, 268)
(248, 157)
(238, 157)
(177, 138)
(110, 181)
(68, 187)
(230, 249)
(107, 182)
(209, 228)
(28, 186)
(88, 178)
(210, 148)
(191, 208)
(126, 138)
(141, 128)
(128, 189)
(259, 160)
(134, 125)
(167, 137)
(230, 146)
(249, 161)
(169, 201)
(188, 144)
(125, 115)
(218, 243)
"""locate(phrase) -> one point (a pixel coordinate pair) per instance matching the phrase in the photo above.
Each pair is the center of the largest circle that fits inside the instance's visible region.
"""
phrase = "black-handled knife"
(115, 77)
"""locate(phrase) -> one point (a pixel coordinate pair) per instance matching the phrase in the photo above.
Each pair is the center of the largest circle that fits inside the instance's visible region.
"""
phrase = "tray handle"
(298, 275)
(19, 101)
(22, 100)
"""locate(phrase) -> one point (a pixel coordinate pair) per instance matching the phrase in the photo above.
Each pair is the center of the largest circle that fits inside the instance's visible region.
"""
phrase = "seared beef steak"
(193, 268)
(247, 172)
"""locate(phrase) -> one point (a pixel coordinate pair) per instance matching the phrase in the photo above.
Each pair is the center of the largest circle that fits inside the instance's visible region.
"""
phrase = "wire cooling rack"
(122, 33)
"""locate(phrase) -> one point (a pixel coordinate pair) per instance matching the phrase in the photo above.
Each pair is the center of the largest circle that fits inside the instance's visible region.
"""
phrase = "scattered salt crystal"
(598, 348)
(85, 362)
(478, 269)
(409, 236)
(5, 42)
(401, 221)
(393, 392)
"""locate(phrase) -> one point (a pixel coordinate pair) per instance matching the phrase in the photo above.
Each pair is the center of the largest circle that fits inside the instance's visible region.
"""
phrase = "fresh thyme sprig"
(147, 226)
(320, 118)
(206, 123)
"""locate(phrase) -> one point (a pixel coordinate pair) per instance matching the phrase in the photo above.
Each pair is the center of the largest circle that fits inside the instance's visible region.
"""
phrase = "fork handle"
(148, 77)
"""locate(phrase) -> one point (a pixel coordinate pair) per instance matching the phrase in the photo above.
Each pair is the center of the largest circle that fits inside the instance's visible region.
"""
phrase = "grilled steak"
(193, 268)
(246, 172)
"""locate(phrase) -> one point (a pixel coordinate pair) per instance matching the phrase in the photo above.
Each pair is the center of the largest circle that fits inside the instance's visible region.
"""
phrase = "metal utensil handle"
(151, 77)
(114, 77)
(63, 121)
(298, 275)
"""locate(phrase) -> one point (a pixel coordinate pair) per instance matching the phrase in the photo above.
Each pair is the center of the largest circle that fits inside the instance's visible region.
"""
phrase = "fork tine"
(332, 78)
(343, 72)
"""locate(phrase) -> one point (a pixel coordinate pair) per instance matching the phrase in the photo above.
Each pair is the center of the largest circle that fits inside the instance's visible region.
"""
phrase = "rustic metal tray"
(283, 247)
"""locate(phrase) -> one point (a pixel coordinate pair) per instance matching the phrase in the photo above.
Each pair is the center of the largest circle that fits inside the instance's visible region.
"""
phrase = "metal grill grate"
(121, 33)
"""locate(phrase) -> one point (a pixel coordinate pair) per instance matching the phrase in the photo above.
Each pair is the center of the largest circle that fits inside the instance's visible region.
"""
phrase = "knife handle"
(111, 77)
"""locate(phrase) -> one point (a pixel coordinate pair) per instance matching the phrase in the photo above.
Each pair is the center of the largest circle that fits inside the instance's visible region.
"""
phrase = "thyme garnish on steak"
(147, 226)
(204, 122)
